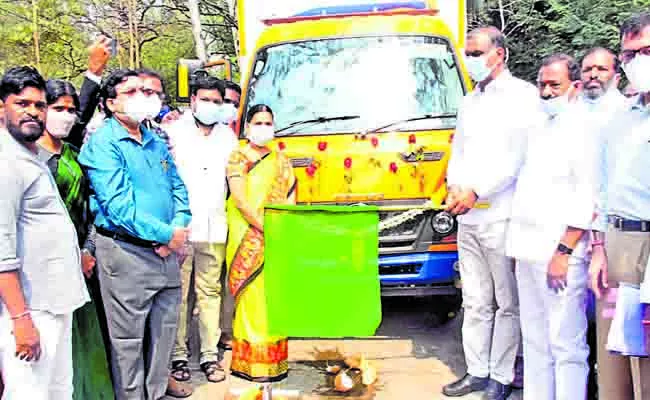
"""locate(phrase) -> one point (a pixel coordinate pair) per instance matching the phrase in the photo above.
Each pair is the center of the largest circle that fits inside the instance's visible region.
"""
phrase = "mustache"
(598, 81)
(28, 120)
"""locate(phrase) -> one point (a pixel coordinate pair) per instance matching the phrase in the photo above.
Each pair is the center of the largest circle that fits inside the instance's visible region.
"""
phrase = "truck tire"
(445, 308)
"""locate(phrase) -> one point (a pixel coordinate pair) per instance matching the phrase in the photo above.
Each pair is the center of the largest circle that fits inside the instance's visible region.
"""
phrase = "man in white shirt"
(552, 208)
(202, 145)
(486, 154)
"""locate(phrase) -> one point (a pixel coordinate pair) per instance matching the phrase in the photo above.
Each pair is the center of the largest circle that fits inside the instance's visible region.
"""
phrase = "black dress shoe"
(468, 384)
(497, 391)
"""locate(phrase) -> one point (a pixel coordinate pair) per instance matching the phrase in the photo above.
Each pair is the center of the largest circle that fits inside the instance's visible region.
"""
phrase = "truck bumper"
(419, 274)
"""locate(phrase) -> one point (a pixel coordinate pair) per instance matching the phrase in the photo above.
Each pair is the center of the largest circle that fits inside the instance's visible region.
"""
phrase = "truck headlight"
(443, 223)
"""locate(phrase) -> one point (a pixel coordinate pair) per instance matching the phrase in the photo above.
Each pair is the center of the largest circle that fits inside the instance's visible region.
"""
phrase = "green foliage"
(162, 54)
(62, 47)
(67, 27)
(538, 28)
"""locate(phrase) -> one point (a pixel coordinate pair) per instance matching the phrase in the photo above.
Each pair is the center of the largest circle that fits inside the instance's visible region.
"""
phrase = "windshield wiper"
(319, 120)
(420, 118)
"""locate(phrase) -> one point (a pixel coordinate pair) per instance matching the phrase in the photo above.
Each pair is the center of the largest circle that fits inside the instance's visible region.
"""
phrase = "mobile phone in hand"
(113, 47)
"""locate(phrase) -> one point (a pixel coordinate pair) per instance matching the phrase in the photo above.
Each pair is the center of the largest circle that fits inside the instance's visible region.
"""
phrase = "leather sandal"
(213, 371)
(181, 371)
(178, 389)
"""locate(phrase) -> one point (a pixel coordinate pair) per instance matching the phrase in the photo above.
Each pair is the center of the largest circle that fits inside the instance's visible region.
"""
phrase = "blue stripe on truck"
(362, 8)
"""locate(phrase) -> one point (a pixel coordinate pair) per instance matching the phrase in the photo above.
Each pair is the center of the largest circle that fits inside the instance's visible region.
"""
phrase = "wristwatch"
(563, 249)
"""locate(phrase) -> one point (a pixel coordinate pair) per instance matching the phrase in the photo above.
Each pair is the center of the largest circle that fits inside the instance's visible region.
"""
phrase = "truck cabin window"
(350, 85)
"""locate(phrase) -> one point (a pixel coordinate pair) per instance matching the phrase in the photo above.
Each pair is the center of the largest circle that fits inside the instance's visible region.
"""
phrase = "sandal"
(181, 371)
(213, 372)
(177, 389)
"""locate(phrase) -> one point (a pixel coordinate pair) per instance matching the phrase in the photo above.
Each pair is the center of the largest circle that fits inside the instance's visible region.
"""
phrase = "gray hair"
(497, 38)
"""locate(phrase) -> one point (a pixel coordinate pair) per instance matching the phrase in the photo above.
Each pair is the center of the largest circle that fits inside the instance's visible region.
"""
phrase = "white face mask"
(208, 113)
(135, 108)
(229, 113)
(555, 105)
(60, 123)
(477, 68)
(638, 73)
(152, 106)
(260, 135)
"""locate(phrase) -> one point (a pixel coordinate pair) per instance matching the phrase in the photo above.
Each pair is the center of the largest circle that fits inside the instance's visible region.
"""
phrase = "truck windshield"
(386, 80)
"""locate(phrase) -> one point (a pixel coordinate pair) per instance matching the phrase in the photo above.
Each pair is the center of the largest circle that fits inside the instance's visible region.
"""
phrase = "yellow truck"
(365, 97)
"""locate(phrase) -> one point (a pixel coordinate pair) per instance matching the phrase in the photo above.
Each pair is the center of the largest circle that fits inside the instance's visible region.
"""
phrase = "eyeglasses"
(628, 55)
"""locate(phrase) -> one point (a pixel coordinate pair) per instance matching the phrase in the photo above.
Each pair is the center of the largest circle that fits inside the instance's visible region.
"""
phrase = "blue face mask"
(477, 68)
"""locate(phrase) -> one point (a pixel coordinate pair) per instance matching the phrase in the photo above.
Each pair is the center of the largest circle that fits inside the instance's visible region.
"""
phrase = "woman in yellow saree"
(257, 176)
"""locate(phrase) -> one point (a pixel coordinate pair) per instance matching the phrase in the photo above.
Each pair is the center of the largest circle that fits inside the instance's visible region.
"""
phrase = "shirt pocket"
(160, 168)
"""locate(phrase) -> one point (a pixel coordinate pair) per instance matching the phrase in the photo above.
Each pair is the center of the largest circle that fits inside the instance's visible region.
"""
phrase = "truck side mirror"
(188, 70)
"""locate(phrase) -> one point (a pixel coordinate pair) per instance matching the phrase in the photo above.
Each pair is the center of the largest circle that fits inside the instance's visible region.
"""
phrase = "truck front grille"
(404, 235)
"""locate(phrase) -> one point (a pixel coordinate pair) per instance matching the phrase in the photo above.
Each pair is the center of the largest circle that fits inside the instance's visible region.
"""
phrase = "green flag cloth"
(321, 271)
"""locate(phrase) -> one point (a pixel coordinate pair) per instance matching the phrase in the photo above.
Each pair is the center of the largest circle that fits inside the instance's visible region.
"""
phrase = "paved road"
(415, 355)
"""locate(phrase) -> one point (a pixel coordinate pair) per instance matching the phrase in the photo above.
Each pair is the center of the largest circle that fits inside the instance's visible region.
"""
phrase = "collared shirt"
(625, 169)
(37, 237)
(557, 187)
(489, 143)
(49, 158)
(135, 186)
(202, 162)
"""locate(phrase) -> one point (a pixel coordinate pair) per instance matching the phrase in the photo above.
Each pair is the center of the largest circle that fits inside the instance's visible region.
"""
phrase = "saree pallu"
(257, 355)
(91, 378)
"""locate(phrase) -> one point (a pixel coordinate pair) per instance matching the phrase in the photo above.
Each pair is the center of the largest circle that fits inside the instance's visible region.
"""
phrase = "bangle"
(597, 243)
(21, 315)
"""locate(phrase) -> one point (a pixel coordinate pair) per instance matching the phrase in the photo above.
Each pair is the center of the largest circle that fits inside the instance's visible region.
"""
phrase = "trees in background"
(156, 33)
(150, 33)
(537, 28)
